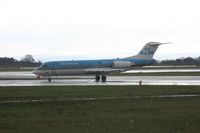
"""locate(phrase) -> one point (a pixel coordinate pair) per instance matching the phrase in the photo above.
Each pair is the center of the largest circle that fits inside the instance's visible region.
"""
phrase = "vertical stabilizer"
(148, 51)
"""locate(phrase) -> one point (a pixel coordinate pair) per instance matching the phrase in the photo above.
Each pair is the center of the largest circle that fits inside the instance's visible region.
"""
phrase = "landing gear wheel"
(49, 79)
(39, 77)
(103, 78)
(97, 78)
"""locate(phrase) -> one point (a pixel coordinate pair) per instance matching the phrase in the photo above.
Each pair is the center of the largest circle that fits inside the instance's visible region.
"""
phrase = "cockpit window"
(43, 66)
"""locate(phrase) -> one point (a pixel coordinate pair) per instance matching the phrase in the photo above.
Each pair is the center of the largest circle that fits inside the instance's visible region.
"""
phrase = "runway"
(28, 79)
(112, 80)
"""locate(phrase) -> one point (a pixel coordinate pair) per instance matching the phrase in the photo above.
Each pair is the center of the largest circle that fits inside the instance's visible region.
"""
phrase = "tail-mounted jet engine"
(122, 64)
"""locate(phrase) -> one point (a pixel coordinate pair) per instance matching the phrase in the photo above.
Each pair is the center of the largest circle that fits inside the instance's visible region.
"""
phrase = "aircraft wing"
(103, 70)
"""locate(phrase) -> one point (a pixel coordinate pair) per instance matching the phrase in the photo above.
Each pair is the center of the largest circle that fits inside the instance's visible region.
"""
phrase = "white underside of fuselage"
(82, 71)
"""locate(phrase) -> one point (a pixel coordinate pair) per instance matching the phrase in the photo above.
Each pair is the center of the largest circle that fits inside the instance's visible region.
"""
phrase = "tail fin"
(148, 51)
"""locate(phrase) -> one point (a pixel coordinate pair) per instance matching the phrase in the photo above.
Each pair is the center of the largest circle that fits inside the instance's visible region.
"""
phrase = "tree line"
(26, 61)
(181, 61)
(29, 61)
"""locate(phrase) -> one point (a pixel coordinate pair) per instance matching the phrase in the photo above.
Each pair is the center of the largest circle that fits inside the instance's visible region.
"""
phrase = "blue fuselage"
(80, 67)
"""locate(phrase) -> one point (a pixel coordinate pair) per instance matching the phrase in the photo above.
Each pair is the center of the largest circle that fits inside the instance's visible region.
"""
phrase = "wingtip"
(166, 43)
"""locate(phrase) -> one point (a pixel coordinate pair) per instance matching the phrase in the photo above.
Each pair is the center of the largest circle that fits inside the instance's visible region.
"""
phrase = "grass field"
(120, 115)
(15, 68)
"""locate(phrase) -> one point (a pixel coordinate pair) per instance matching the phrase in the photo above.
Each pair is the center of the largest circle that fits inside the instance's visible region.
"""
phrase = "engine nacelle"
(122, 64)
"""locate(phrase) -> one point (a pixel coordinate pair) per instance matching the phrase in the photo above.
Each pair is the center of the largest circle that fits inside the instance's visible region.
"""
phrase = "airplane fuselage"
(89, 67)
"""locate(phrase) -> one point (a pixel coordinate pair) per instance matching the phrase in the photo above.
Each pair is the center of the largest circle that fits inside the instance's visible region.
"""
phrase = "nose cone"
(35, 71)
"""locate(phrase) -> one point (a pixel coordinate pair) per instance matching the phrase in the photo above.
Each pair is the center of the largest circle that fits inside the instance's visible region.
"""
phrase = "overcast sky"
(94, 29)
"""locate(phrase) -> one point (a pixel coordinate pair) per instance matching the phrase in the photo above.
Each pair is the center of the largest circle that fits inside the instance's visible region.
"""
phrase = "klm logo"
(147, 51)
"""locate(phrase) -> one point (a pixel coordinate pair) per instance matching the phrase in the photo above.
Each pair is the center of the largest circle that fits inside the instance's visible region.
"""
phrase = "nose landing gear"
(39, 76)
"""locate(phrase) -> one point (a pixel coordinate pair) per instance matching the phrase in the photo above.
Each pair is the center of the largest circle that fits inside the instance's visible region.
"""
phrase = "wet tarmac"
(17, 75)
(112, 80)
(162, 70)
(28, 79)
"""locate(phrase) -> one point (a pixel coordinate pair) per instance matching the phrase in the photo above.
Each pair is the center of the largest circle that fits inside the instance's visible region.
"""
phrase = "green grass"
(15, 68)
(92, 91)
(143, 115)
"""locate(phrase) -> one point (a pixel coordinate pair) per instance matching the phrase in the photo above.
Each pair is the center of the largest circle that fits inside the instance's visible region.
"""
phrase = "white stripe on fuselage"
(60, 72)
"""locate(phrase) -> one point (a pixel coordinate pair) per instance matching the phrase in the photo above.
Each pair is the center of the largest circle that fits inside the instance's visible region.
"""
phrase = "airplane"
(99, 68)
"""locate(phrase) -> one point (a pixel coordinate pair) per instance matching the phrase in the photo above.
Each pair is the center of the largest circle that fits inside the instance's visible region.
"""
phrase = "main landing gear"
(103, 78)
(49, 79)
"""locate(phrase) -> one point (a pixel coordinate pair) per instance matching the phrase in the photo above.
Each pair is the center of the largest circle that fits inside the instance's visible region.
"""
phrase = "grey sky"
(80, 29)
